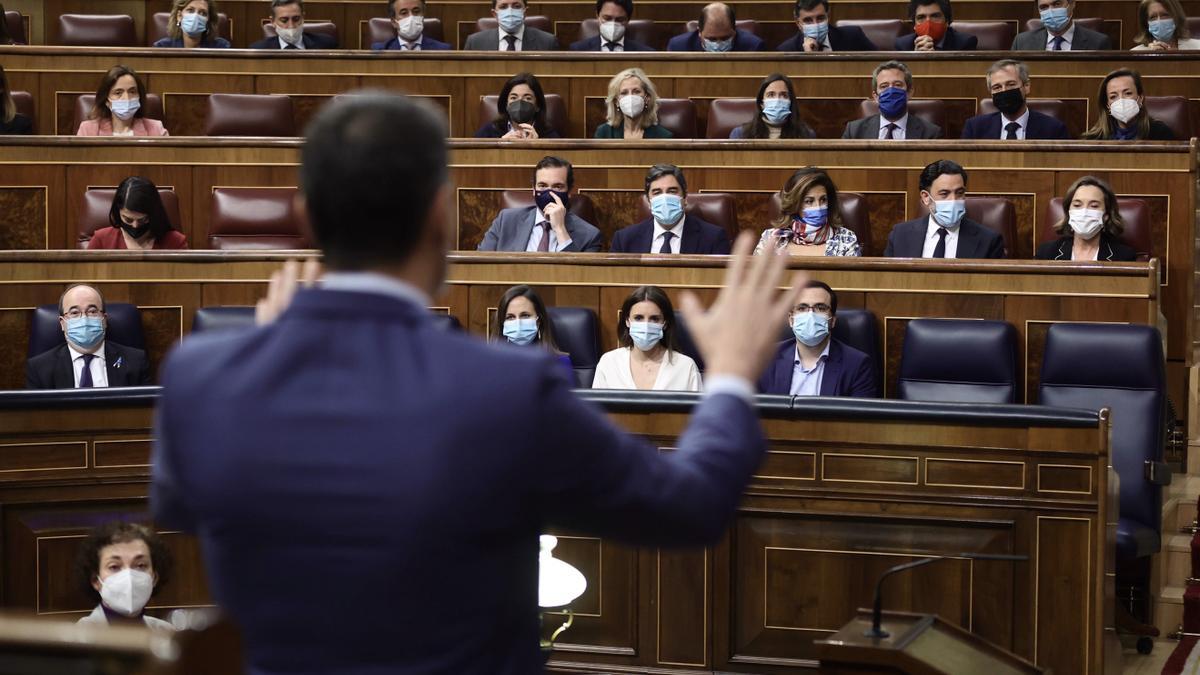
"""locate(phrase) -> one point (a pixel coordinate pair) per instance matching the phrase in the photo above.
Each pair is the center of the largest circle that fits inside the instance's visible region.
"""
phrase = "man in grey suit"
(512, 35)
(1059, 32)
(891, 85)
(547, 226)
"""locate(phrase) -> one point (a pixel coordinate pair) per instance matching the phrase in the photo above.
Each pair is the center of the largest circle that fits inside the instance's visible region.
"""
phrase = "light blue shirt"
(540, 224)
(808, 382)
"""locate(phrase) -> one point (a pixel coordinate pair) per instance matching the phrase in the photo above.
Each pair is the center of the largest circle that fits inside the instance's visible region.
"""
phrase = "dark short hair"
(87, 558)
(100, 109)
(285, 3)
(552, 162)
(626, 5)
(943, 5)
(808, 6)
(545, 336)
(658, 297)
(73, 287)
(813, 283)
(1112, 223)
(359, 148)
(391, 6)
(659, 170)
(730, 14)
(140, 194)
(523, 2)
(942, 167)
(539, 98)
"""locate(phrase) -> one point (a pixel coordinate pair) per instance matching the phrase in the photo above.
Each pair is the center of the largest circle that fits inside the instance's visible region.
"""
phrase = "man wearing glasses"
(87, 360)
(813, 363)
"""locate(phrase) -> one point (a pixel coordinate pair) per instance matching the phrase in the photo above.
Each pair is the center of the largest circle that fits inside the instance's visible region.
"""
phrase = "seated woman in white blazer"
(647, 357)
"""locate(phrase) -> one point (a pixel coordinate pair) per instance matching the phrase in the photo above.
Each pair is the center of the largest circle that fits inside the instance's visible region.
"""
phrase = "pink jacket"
(142, 126)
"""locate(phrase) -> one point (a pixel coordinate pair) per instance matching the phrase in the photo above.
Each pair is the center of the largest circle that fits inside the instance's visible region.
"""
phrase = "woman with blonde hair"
(1163, 27)
(193, 23)
(1121, 103)
(632, 108)
(810, 221)
(11, 122)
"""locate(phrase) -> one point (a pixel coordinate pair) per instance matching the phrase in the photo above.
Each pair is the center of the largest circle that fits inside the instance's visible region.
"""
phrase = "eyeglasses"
(819, 308)
(91, 313)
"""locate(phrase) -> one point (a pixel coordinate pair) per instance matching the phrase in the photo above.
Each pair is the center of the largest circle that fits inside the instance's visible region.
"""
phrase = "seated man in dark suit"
(669, 229)
(891, 87)
(946, 232)
(612, 16)
(512, 35)
(547, 226)
(718, 32)
(288, 18)
(87, 360)
(932, 32)
(818, 34)
(815, 364)
(1008, 81)
(408, 18)
(1059, 31)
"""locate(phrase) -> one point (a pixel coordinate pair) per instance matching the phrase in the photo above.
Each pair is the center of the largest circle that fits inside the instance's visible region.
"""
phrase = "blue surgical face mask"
(1055, 19)
(816, 31)
(893, 102)
(810, 328)
(520, 331)
(193, 24)
(124, 108)
(776, 110)
(949, 213)
(645, 334)
(718, 45)
(1163, 30)
(667, 209)
(85, 331)
(815, 216)
(511, 19)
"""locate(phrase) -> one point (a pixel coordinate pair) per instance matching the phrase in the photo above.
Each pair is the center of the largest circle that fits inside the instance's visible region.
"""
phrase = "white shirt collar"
(1023, 120)
(75, 353)
(539, 217)
(520, 34)
(824, 352)
(901, 124)
(932, 228)
(676, 229)
(620, 42)
(1068, 37)
(284, 45)
(374, 282)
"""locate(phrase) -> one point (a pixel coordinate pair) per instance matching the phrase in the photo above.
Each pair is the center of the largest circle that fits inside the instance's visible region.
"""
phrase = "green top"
(653, 131)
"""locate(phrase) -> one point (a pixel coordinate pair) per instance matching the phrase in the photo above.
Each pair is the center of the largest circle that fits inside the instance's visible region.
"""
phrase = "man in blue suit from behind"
(670, 229)
(814, 363)
(368, 490)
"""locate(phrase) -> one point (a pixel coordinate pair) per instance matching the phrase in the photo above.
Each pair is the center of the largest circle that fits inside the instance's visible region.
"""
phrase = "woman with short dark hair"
(120, 107)
(648, 357)
(1090, 226)
(137, 220)
(520, 111)
(121, 565)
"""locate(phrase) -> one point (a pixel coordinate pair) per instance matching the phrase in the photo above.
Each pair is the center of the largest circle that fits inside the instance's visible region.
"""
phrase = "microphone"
(876, 630)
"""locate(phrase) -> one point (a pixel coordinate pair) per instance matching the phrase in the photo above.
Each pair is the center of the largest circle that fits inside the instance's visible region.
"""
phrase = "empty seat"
(17, 29)
(255, 218)
(931, 110)
(381, 29)
(678, 115)
(581, 205)
(856, 216)
(326, 28)
(717, 208)
(210, 319)
(1134, 212)
(881, 32)
(644, 31)
(556, 112)
(1172, 111)
(152, 108)
(1051, 107)
(96, 30)
(124, 327)
(998, 214)
(157, 28)
(859, 329)
(249, 115)
(726, 114)
(97, 202)
(23, 101)
(578, 333)
(958, 361)
(993, 36)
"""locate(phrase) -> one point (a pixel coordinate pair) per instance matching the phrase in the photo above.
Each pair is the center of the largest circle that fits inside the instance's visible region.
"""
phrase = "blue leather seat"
(958, 360)
(578, 333)
(1119, 367)
(124, 327)
(209, 319)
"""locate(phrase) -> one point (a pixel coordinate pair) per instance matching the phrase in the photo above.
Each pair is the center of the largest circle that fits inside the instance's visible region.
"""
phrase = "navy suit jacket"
(1041, 127)
(699, 237)
(952, 41)
(848, 372)
(592, 44)
(907, 240)
(311, 41)
(52, 369)
(841, 39)
(356, 443)
(427, 43)
(744, 41)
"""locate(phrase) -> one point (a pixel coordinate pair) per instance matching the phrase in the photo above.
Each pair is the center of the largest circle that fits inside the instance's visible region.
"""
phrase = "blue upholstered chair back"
(958, 360)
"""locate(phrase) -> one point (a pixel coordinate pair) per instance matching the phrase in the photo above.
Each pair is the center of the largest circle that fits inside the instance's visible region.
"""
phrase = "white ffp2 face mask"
(612, 31)
(1125, 109)
(1086, 222)
(292, 36)
(410, 27)
(127, 591)
(631, 106)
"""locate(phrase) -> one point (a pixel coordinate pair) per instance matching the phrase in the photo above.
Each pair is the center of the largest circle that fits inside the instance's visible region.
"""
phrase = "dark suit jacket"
(592, 44)
(311, 41)
(20, 125)
(511, 228)
(532, 40)
(952, 41)
(907, 240)
(489, 130)
(848, 372)
(841, 39)
(1041, 127)
(427, 43)
(53, 370)
(355, 435)
(744, 41)
(699, 237)
(868, 128)
(1035, 40)
(1060, 249)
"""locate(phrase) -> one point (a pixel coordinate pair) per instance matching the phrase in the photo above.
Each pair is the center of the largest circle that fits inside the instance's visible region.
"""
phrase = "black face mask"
(521, 112)
(134, 232)
(1009, 102)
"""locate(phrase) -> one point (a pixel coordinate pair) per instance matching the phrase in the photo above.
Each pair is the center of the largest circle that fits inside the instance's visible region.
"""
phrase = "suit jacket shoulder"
(629, 239)
(319, 41)
(1031, 40)
(906, 239)
(536, 40)
(849, 39)
(486, 40)
(1086, 38)
(920, 129)
(862, 128)
(1045, 127)
(980, 126)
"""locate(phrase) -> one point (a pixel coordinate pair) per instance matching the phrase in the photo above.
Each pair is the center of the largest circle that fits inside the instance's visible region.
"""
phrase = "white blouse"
(678, 372)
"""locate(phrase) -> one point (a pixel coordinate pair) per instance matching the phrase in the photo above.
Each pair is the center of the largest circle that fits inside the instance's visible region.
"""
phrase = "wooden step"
(1168, 610)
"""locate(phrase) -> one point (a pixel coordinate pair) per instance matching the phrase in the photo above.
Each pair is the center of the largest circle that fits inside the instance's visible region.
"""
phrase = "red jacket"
(110, 238)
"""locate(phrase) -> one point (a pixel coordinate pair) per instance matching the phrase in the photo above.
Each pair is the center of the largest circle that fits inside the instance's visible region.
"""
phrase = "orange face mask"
(934, 29)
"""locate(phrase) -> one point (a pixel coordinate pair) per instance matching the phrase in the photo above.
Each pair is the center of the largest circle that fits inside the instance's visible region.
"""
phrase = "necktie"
(512, 43)
(85, 378)
(291, 46)
(939, 251)
(1057, 43)
(1011, 131)
(612, 46)
(666, 245)
(891, 132)
(544, 244)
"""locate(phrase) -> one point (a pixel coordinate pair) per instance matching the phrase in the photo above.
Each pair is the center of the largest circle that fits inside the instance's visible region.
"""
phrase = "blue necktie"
(666, 245)
(1057, 43)
(85, 378)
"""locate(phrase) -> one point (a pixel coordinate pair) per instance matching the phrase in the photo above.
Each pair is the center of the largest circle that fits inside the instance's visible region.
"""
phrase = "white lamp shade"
(558, 582)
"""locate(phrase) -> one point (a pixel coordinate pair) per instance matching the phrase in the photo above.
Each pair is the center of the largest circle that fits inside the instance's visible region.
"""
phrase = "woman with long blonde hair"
(632, 108)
